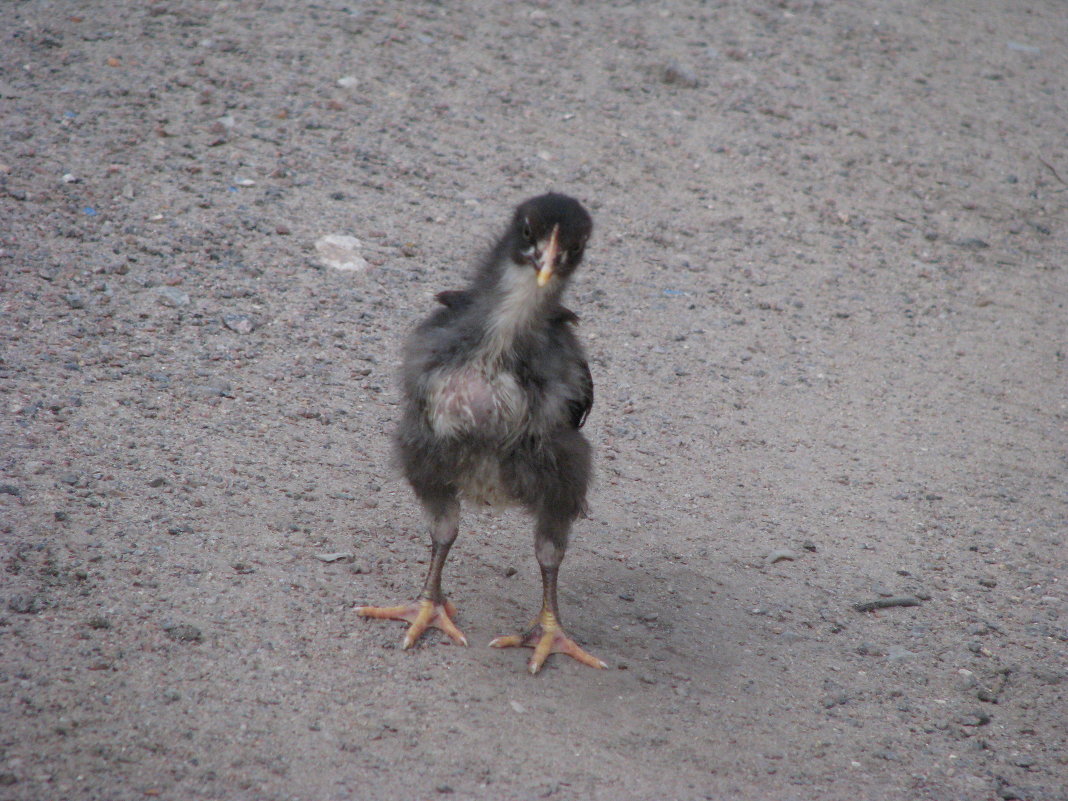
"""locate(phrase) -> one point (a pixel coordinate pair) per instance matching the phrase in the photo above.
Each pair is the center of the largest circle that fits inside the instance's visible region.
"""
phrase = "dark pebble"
(183, 632)
(838, 699)
(26, 604)
(886, 603)
(675, 73)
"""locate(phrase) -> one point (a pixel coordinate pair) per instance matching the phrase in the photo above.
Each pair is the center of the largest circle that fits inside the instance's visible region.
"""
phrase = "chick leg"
(431, 609)
(547, 635)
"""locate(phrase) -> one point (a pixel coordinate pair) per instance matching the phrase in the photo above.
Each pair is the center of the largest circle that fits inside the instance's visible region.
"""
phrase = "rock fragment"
(340, 252)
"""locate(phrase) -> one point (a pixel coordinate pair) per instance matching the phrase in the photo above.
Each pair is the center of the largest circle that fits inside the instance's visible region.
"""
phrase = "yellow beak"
(547, 262)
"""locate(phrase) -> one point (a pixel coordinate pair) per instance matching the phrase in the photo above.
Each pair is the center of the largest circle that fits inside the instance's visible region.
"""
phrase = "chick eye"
(528, 235)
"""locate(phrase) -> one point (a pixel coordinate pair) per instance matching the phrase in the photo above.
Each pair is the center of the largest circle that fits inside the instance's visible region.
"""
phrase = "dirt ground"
(825, 310)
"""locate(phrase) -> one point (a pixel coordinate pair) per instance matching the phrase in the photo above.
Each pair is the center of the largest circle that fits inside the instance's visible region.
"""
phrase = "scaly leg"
(432, 609)
(547, 635)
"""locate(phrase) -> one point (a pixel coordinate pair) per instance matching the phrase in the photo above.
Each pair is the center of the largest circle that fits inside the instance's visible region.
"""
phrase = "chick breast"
(473, 401)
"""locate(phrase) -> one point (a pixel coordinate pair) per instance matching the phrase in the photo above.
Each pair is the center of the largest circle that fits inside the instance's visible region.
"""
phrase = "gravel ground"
(825, 309)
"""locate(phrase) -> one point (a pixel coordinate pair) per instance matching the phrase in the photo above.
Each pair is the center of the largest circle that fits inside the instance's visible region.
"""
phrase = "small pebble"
(183, 632)
(241, 323)
(838, 699)
(897, 652)
(1023, 48)
(172, 296)
(215, 389)
(340, 556)
(26, 604)
(779, 555)
(973, 719)
(674, 73)
(341, 252)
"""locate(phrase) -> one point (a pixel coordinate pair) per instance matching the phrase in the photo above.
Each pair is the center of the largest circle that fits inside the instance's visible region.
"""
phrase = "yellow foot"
(421, 614)
(547, 637)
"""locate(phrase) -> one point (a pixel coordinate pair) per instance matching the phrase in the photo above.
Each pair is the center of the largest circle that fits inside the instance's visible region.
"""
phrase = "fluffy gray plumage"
(496, 387)
(496, 384)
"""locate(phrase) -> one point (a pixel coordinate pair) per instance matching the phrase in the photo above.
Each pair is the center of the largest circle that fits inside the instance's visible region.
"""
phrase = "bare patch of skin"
(475, 400)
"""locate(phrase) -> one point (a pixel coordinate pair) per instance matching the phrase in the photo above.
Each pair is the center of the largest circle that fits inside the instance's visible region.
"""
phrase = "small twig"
(885, 603)
(1053, 170)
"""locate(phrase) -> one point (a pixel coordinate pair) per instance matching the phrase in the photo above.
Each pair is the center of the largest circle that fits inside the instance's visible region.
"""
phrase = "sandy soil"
(825, 308)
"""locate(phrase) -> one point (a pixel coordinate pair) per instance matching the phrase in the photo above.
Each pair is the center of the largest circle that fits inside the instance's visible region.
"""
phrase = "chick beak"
(547, 262)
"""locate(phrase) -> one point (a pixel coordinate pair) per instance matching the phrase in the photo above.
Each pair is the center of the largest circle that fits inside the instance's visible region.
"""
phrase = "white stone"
(341, 252)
